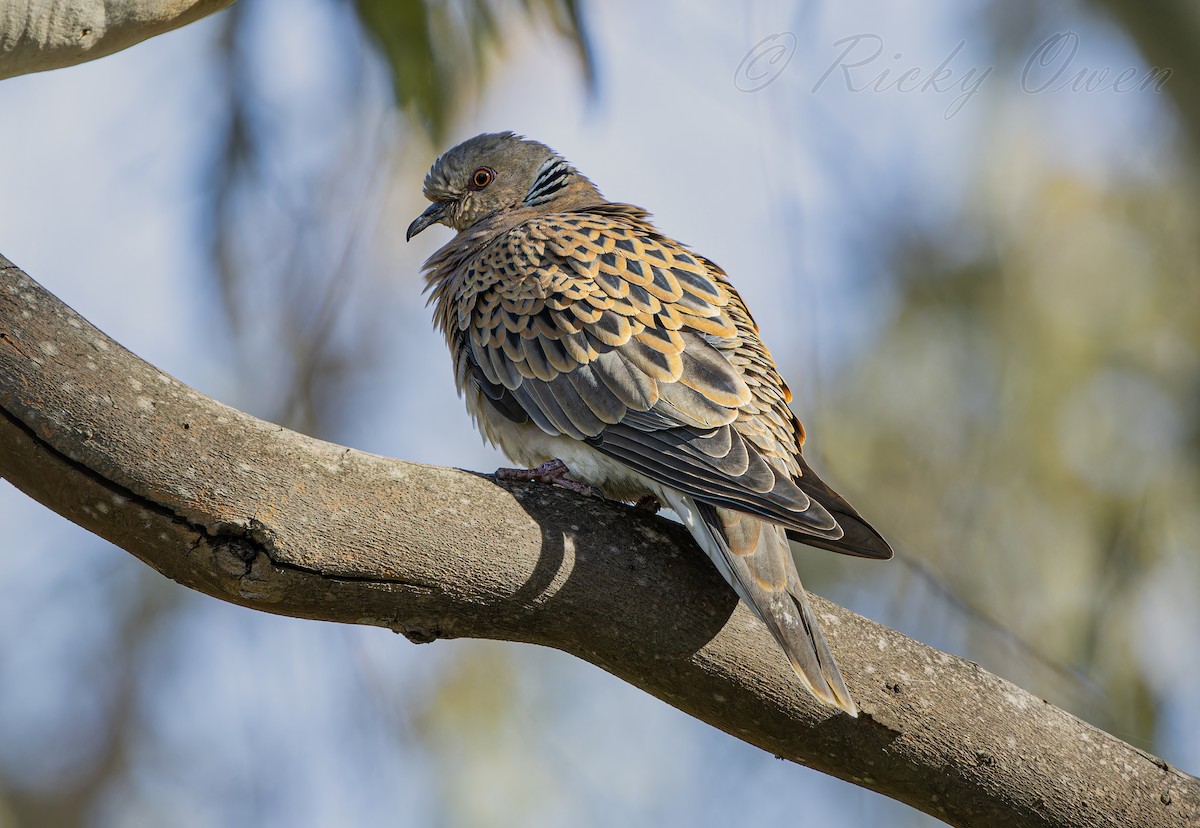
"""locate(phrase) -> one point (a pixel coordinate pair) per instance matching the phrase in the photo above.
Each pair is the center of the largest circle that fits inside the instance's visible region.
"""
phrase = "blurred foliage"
(1063, 480)
(438, 51)
(56, 771)
(1167, 33)
(292, 188)
(487, 765)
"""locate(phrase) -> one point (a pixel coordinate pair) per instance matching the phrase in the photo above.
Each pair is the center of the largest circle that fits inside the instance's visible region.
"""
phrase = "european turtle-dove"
(586, 341)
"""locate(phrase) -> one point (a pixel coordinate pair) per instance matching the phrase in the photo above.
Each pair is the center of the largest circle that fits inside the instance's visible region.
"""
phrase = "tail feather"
(858, 538)
(755, 558)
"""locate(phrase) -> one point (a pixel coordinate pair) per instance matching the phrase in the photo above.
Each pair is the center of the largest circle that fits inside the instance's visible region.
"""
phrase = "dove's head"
(497, 172)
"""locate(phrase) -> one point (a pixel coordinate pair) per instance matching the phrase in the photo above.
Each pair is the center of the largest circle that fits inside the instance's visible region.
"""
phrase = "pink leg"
(553, 472)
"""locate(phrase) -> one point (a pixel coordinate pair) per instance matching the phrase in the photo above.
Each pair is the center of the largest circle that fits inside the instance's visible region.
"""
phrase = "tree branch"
(252, 513)
(37, 35)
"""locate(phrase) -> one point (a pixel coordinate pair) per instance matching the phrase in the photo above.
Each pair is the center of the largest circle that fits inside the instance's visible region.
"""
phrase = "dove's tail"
(755, 558)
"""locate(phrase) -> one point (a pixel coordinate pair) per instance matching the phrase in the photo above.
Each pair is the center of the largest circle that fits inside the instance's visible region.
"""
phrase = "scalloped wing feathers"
(587, 330)
(594, 326)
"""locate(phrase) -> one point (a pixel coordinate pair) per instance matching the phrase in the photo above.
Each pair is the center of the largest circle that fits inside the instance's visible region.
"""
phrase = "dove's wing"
(594, 326)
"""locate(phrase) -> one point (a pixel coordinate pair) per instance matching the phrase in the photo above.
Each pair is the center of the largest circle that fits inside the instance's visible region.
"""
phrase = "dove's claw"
(553, 472)
(648, 503)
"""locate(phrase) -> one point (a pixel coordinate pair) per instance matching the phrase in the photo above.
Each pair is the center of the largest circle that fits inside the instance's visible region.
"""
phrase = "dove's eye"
(481, 178)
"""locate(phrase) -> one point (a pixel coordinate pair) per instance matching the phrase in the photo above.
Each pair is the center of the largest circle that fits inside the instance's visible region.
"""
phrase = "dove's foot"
(553, 472)
(648, 503)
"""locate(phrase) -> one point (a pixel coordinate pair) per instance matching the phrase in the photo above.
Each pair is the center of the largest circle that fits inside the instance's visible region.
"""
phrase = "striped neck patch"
(553, 176)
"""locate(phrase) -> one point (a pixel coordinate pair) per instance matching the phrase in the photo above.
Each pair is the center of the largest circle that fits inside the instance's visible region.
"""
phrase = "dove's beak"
(433, 214)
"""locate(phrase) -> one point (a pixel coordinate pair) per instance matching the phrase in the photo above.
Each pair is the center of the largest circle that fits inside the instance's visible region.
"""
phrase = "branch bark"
(37, 35)
(252, 513)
